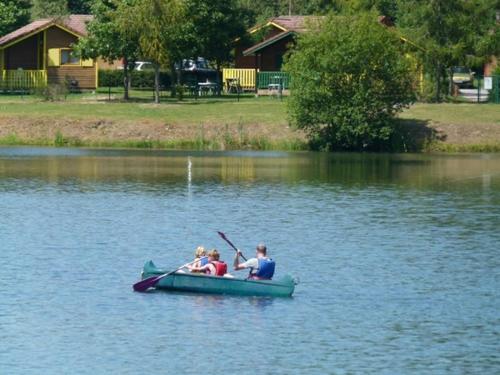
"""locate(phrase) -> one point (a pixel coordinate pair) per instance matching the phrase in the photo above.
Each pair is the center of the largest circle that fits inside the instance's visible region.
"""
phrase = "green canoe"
(200, 283)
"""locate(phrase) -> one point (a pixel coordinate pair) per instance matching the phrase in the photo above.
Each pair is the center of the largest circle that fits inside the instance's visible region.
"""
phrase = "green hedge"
(139, 79)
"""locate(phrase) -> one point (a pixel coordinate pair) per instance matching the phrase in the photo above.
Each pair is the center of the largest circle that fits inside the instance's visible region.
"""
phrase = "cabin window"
(68, 57)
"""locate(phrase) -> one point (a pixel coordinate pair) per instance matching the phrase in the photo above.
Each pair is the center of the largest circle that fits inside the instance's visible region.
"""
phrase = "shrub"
(53, 92)
(350, 78)
(138, 79)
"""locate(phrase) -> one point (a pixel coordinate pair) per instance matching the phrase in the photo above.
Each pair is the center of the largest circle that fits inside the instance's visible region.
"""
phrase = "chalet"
(276, 37)
(40, 53)
(259, 55)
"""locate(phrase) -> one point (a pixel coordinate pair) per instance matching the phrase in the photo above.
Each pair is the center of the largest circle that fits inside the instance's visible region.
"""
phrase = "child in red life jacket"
(214, 267)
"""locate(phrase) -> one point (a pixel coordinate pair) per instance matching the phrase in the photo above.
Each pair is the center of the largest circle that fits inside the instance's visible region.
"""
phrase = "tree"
(13, 14)
(164, 35)
(216, 24)
(46, 9)
(107, 38)
(79, 6)
(349, 79)
(450, 33)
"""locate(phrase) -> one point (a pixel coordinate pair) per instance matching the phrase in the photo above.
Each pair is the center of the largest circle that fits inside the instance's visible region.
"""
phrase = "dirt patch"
(95, 131)
(463, 134)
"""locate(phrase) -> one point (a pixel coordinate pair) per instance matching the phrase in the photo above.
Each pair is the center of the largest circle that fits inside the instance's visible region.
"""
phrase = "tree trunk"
(157, 83)
(218, 81)
(126, 80)
(172, 81)
(438, 82)
(450, 84)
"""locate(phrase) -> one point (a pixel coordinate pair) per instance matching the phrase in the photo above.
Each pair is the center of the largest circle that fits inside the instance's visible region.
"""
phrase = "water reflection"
(152, 168)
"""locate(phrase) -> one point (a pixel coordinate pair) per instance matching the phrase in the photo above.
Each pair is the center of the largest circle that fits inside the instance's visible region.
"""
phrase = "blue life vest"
(266, 268)
(203, 261)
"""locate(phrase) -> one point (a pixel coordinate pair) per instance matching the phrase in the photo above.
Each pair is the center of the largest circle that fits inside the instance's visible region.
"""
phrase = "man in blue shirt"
(261, 267)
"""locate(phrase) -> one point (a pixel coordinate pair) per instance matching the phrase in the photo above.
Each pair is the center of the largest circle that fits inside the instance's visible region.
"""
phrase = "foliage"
(79, 6)
(450, 33)
(44, 8)
(265, 9)
(53, 92)
(13, 14)
(216, 24)
(350, 78)
(108, 39)
(164, 36)
(138, 79)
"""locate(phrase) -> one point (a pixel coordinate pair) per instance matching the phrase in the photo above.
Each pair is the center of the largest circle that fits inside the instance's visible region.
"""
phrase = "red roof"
(259, 46)
(294, 23)
(76, 23)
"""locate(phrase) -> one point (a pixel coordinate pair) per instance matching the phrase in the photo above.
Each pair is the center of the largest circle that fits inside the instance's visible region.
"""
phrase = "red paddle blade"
(145, 284)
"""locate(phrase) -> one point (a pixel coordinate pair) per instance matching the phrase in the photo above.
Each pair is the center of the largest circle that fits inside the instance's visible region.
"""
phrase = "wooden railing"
(22, 79)
(264, 79)
(245, 77)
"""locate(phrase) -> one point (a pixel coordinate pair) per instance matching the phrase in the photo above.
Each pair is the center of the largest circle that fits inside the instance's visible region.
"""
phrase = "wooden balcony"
(21, 79)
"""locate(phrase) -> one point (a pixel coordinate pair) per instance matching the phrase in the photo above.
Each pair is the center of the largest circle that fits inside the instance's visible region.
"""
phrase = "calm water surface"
(398, 257)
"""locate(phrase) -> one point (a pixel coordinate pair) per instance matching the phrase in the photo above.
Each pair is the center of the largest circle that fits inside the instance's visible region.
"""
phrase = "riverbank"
(221, 123)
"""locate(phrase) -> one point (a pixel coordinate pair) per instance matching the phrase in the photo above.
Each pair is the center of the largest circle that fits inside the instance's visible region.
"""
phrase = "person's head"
(200, 252)
(213, 255)
(261, 249)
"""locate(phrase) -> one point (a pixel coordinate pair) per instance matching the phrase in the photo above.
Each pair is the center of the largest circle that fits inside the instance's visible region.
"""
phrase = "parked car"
(462, 76)
(140, 66)
(197, 70)
(143, 65)
(199, 65)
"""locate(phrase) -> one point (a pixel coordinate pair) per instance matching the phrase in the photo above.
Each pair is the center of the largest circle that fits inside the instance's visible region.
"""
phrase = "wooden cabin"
(277, 35)
(40, 53)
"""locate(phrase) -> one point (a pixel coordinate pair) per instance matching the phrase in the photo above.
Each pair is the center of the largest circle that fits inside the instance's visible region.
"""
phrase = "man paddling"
(261, 267)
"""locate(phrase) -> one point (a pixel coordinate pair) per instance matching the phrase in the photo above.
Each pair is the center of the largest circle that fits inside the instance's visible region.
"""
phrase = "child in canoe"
(200, 258)
(214, 267)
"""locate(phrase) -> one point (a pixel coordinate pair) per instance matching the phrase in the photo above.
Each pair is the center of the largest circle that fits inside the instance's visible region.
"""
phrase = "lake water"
(397, 256)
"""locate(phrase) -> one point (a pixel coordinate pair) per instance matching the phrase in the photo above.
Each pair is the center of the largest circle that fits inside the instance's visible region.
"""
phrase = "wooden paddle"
(223, 236)
(150, 282)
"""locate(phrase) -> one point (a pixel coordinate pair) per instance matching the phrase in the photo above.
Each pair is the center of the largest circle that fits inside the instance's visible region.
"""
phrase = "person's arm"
(236, 264)
(250, 263)
(199, 269)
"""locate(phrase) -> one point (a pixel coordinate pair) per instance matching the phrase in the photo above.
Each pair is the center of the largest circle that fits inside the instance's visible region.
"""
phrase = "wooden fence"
(245, 77)
(22, 79)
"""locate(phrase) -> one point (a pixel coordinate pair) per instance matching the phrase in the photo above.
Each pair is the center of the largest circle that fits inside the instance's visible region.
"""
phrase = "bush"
(138, 79)
(53, 92)
(350, 79)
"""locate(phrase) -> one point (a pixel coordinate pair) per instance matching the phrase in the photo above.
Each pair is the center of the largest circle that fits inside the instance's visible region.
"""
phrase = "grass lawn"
(217, 123)
(223, 110)
(455, 113)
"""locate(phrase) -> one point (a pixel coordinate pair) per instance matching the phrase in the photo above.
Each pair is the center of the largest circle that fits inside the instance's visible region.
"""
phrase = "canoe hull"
(199, 283)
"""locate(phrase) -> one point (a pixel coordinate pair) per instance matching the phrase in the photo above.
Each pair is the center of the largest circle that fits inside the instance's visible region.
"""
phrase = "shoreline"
(225, 124)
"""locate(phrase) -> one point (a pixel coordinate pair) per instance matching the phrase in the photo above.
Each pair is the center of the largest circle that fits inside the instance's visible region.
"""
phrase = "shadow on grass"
(168, 100)
(413, 135)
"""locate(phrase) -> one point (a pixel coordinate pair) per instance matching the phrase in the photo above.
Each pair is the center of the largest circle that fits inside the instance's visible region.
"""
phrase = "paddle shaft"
(223, 236)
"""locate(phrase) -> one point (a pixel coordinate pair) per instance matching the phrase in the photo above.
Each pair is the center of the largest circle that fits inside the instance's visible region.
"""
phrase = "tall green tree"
(216, 24)
(48, 8)
(350, 78)
(13, 14)
(164, 36)
(450, 33)
(108, 39)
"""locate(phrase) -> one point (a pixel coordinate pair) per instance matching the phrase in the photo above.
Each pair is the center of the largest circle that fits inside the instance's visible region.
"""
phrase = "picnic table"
(205, 88)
